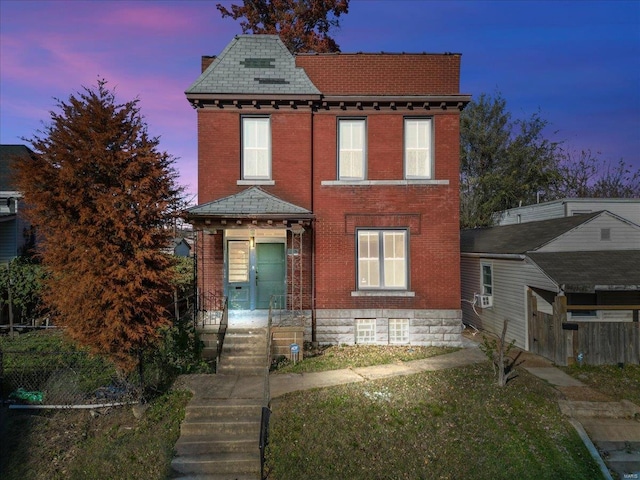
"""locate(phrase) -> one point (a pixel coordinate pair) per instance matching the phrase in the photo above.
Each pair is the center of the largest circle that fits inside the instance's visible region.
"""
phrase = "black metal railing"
(266, 394)
(283, 312)
(211, 307)
(222, 330)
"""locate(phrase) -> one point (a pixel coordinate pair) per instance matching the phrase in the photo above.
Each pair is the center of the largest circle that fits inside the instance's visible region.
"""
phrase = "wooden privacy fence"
(592, 342)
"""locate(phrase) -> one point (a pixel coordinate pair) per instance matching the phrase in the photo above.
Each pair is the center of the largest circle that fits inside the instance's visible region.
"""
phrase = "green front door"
(270, 272)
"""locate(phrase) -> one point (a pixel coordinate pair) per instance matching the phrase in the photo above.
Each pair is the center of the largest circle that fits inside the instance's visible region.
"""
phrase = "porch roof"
(253, 202)
(586, 272)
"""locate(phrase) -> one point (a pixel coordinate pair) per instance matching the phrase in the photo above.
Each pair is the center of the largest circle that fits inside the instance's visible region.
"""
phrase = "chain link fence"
(61, 378)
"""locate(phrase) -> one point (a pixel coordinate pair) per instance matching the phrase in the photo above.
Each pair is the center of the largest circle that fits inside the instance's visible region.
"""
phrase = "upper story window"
(418, 158)
(351, 149)
(256, 148)
(382, 259)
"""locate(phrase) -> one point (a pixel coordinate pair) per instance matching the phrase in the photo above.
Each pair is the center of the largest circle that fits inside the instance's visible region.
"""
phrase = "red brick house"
(330, 181)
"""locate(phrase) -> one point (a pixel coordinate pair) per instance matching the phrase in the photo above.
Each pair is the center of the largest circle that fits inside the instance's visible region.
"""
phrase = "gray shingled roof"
(588, 271)
(254, 64)
(251, 202)
(8, 153)
(520, 238)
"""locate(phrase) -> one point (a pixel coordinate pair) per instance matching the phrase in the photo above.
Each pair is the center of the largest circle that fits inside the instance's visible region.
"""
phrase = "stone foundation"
(441, 328)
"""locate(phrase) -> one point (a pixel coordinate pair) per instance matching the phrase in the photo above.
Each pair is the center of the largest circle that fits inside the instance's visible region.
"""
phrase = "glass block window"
(398, 330)
(365, 330)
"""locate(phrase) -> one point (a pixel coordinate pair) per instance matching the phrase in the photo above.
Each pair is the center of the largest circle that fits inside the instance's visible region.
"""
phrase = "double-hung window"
(418, 158)
(487, 278)
(351, 149)
(382, 259)
(256, 148)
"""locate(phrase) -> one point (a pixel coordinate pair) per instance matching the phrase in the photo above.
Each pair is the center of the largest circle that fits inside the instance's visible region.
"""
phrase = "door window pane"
(238, 261)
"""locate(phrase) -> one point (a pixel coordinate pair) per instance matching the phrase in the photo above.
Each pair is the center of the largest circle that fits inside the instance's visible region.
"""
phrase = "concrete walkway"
(281, 384)
(609, 429)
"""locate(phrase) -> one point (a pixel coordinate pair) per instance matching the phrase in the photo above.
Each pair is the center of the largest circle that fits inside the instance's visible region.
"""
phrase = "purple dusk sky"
(575, 62)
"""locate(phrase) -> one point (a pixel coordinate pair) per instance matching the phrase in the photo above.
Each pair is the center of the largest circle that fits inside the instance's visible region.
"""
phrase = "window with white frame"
(486, 278)
(417, 148)
(256, 148)
(351, 148)
(382, 259)
(365, 330)
(398, 330)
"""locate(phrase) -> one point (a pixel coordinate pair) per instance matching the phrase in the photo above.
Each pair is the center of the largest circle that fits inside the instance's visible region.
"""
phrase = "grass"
(452, 423)
(76, 445)
(79, 444)
(618, 383)
(435, 425)
(336, 357)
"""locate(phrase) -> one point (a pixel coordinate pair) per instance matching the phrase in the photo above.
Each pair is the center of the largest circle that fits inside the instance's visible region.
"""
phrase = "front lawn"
(334, 357)
(448, 424)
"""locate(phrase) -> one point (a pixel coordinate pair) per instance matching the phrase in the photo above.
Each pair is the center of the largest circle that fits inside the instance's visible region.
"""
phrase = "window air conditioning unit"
(485, 301)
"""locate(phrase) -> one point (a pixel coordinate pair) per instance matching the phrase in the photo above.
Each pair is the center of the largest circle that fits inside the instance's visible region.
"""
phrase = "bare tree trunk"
(502, 377)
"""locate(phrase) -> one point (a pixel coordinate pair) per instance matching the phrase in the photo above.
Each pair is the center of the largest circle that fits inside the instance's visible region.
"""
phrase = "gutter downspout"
(313, 239)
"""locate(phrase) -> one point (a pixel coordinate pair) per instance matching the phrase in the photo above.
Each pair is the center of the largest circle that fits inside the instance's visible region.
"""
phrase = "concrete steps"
(244, 352)
(219, 436)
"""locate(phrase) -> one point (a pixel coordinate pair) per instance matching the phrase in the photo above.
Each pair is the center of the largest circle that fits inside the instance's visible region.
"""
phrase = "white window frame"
(398, 331)
(365, 330)
(418, 148)
(349, 129)
(256, 151)
(483, 284)
(373, 268)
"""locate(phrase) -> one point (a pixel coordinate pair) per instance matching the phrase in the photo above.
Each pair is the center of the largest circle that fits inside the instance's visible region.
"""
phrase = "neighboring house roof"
(519, 238)
(9, 153)
(589, 271)
(252, 202)
(256, 64)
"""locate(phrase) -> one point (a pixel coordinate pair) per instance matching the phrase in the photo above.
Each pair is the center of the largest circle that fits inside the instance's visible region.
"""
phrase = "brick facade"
(383, 89)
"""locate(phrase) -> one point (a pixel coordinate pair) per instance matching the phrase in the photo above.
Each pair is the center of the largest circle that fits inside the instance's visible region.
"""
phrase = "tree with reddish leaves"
(303, 25)
(100, 195)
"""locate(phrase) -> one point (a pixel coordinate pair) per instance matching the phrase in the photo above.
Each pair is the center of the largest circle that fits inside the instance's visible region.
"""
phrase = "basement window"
(398, 330)
(365, 330)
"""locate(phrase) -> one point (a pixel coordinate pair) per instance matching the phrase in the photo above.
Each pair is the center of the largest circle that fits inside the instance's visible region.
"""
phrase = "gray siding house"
(557, 281)
(14, 231)
(628, 208)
